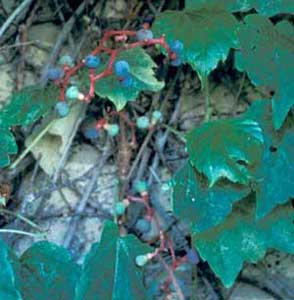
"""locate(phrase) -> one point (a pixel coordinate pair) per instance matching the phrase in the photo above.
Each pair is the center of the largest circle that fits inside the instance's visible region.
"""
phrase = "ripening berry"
(192, 256)
(120, 208)
(54, 73)
(143, 122)
(121, 68)
(143, 225)
(92, 61)
(141, 260)
(140, 186)
(128, 81)
(62, 108)
(144, 34)
(72, 93)
(91, 133)
(66, 60)
(177, 47)
(156, 117)
(112, 129)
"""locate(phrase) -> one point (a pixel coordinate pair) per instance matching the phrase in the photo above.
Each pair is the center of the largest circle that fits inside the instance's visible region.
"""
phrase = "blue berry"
(192, 256)
(62, 108)
(112, 129)
(121, 68)
(120, 208)
(91, 133)
(54, 73)
(141, 260)
(144, 34)
(72, 93)
(143, 225)
(140, 186)
(128, 82)
(177, 47)
(66, 60)
(176, 62)
(143, 122)
(92, 61)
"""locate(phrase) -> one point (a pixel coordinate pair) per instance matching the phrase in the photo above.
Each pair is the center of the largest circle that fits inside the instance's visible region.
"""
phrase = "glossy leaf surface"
(226, 149)
(207, 35)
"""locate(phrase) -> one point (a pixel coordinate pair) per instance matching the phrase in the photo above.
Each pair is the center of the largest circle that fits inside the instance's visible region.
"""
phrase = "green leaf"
(28, 105)
(142, 70)
(278, 155)
(226, 149)
(276, 176)
(243, 239)
(207, 35)
(48, 273)
(109, 270)
(8, 280)
(7, 146)
(267, 55)
(199, 206)
(264, 7)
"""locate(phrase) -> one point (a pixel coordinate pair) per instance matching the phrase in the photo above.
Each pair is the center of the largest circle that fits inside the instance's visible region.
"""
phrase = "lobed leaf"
(7, 146)
(226, 149)
(244, 239)
(197, 204)
(267, 55)
(109, 271)
(48, 272)
(207, 34)
(142, 71)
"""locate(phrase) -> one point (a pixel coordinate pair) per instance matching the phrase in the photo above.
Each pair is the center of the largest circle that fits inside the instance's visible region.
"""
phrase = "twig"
(83, 202)
(18, 10)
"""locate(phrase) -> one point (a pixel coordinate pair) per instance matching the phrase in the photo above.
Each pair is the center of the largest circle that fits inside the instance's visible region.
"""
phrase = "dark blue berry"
(54, 73)
(62, 108)
(176, 62)
(92, 61)
(144, 34)
(192, 256)
(121, 68)
(128, 81)
(143, 225)
(91, 133)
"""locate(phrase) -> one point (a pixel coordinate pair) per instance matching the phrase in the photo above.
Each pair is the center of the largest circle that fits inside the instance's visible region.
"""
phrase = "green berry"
(66, 60)
(72, 93)
(112, 129)
(120, 208)
(140, 186)
(156, 116)
(141, 260)
(143, 122)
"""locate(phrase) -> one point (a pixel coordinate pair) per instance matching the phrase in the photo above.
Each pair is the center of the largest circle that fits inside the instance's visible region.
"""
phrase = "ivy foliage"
(241, 238)
(226, 149)
(23, 108)
(47, 271)
(207, 33)
(142, 73)
(267, 55)
(264, 7)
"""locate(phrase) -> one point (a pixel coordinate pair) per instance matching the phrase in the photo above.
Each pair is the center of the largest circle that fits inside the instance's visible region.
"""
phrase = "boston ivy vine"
(234, 191)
